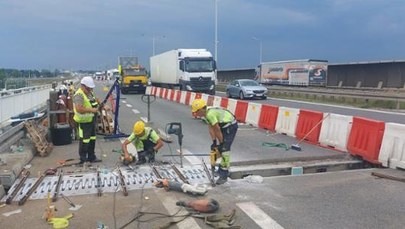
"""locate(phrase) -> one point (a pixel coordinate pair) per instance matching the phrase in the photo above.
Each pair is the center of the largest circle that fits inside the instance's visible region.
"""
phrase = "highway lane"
(386, 116)
(247, 147)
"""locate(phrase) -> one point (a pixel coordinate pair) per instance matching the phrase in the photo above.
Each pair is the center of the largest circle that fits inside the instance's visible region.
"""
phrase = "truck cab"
(197, 74)
(134, 77)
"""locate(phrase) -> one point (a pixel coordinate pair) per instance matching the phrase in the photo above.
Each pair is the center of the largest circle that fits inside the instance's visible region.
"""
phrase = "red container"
(309, 121)
(241, 111)
(365, 138)
(224, 102)
(268, 117)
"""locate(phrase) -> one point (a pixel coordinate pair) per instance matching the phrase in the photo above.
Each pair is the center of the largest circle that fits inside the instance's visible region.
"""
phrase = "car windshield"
(248, 83)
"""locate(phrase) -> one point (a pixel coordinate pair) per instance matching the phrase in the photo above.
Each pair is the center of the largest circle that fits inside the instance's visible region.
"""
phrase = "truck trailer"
(134, 77)
(186, 69)
(306, 72)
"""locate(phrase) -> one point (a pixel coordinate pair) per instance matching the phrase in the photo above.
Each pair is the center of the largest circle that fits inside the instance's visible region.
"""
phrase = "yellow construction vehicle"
(134, 77)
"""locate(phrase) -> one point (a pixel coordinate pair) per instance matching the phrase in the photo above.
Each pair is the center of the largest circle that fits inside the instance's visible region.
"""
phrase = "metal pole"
(148, 108)
(153, 45)
(261, 51)
(216, 31)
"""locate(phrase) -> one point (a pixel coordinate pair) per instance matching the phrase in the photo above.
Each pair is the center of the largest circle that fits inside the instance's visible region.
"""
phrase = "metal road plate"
(142, 177)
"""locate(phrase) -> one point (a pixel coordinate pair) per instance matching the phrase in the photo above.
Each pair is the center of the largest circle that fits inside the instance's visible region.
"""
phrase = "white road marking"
(144, 119)
(259, 216)
(135, 111)
(169, 200)
(123, 101)
(129, 105)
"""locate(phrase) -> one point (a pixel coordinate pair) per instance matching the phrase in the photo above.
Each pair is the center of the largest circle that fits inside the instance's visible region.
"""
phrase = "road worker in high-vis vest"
(222, 127)
(85, 111)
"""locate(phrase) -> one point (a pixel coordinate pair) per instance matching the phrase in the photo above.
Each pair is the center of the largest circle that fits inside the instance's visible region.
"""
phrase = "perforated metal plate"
(142, 177)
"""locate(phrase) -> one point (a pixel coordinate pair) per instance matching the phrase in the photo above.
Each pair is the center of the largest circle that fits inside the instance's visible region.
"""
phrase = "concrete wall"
(230, 75)
(391, 74)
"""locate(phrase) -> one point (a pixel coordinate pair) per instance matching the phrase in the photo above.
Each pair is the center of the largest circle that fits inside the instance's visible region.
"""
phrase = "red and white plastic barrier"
(373, 140)
(287, 121)
(335, 131)
(392, 152)
(253, 114)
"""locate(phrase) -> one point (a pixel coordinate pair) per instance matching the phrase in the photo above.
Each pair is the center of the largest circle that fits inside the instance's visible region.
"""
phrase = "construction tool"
(297, 146)
(63, 162)
(32, 189)
(214, 155)
(209, 175)
(99, 190)
(122, 182)
(50, 209)
(74, 207)
(156, 172)
(203, 205)
(178, 172)
(19, 186)
(56, 193)
(60, 222)
(180, 187)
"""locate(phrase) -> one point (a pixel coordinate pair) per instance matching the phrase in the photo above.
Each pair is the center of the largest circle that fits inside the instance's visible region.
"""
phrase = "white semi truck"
(307, 72)
(186, 69)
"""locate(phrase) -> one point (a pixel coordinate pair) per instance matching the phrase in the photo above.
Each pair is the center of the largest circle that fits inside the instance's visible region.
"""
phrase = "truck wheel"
(228, 94)
(241, 96)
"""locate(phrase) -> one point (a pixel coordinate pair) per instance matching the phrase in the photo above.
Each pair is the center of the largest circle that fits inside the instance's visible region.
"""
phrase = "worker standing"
(147, 142)
(85, 109)
(222, 127)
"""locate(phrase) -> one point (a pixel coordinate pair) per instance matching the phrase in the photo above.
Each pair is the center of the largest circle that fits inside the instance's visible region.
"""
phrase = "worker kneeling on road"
(222, 126)
(147, 142)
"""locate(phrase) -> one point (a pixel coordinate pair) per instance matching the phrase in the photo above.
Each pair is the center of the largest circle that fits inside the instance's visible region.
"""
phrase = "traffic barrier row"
(374, 141)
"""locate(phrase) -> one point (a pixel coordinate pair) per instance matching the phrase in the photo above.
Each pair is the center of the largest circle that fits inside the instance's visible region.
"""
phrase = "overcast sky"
(91, 34)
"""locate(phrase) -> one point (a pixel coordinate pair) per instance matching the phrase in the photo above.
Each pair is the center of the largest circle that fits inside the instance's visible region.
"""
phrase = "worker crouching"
(147, 143)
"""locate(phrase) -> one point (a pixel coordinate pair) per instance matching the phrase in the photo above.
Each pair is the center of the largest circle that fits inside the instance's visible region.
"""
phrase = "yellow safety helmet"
(139, 127)
(198, 104)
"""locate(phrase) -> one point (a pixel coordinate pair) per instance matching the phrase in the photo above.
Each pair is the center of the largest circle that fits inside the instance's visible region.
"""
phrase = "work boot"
(141, 160)
(223, 176)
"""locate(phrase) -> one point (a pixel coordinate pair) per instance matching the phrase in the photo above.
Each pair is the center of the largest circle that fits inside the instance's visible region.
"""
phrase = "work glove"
(214, 144)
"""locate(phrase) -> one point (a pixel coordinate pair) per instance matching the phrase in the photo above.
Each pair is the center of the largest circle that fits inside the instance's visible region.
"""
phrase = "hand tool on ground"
(58, 223)
(56, 193)
(297, 146)
(19, 186)
(180, 187)
(99, 190)
(219, 220)
(74, 207)
(122, 182)
(32, 189)
(63, 162)
(203, 205)
(209, 175)
(179, 174)
(50, 209)
(50, 171)
(156, 172)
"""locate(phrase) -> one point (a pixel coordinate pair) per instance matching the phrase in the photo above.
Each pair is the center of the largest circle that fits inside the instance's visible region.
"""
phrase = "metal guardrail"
(337, 94)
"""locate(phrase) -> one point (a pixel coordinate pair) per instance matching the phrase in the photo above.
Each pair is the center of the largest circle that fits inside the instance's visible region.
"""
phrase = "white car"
(245, 88)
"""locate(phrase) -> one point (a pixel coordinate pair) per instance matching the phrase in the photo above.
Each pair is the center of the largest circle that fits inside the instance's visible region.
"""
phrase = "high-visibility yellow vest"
(86, 117)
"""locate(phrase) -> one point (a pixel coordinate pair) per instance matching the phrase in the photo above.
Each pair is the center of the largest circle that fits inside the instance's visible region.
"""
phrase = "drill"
(214, 155)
